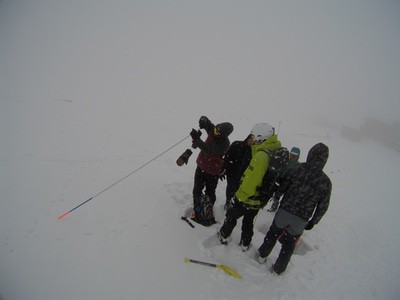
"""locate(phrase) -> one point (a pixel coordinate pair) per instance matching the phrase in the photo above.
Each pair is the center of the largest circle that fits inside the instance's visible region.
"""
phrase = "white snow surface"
(92, 90)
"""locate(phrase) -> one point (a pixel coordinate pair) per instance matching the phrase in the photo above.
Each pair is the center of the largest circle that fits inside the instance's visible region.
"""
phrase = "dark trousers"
(231, 217)
(288, 246)
(203, 180)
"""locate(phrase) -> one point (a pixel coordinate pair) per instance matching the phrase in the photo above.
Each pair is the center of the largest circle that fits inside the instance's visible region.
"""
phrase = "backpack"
(204, 213)
(278, 161)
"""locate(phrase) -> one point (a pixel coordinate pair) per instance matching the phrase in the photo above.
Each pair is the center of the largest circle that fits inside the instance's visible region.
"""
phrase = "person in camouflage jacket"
(306, 194)
(293, 162)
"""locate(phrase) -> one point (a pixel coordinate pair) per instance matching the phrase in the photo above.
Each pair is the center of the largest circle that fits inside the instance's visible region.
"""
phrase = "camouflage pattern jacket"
(307, 189)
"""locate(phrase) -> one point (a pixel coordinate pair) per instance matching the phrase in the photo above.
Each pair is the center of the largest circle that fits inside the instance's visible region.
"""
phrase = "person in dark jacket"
(236, 159)
(306, 194)
(293, 162)
(210, 159)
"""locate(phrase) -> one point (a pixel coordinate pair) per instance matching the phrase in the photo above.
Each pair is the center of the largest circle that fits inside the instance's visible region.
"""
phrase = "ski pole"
(123, 178)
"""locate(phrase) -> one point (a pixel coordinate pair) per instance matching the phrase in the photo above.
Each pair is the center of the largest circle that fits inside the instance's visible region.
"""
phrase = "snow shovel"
(226, 269)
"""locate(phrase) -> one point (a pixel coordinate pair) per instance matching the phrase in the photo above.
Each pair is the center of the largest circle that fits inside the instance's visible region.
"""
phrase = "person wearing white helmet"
(247, 200)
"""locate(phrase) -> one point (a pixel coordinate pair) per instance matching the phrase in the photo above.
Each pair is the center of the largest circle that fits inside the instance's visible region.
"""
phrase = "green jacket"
(252, 177)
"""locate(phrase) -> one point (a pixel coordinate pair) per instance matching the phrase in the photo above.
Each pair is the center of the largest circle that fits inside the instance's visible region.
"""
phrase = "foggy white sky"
(331, 58)
(92, 89)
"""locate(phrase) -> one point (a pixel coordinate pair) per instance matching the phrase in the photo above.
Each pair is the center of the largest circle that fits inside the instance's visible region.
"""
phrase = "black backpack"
(204, 213)
(278, 161)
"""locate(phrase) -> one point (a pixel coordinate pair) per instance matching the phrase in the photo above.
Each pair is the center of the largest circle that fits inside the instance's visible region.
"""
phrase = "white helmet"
(262, 131)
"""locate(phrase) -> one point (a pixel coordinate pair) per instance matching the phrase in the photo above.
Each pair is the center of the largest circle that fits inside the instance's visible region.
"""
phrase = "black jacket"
(238, 154)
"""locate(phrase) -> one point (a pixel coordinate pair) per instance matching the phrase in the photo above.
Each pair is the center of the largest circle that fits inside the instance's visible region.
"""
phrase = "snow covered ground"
(92, 90)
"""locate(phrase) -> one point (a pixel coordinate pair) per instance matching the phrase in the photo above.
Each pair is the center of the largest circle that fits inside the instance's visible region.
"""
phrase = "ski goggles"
(254, 140)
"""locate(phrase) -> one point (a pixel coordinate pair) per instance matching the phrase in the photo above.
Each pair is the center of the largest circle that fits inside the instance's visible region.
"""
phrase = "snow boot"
(244, 246)
(223, 241)
(261, 259)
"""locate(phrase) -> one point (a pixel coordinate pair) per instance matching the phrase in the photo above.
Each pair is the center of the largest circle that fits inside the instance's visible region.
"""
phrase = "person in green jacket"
(247, 201)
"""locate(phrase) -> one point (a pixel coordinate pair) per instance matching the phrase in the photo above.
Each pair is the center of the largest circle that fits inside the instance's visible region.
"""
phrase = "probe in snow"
(118, 181)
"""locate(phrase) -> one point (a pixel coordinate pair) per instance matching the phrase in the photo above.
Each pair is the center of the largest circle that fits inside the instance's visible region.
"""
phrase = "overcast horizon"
(332, 60)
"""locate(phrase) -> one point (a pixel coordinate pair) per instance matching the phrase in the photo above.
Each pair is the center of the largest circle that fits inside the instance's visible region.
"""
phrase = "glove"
(203, 121)
(230, 203)
(274, 205)
(195, 134)
(195, 144)
(222, 175)
(309, 225)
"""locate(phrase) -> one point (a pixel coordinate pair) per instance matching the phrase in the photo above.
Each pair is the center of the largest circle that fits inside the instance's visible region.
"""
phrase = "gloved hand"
(309, 225)
(195, 134)
(203, 121)
(195, 144)
(222, 175)
(273, 208)
(274, 205)
(229, 203)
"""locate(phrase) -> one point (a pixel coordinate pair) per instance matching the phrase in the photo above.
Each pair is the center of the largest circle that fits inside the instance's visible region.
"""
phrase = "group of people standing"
(300, 190)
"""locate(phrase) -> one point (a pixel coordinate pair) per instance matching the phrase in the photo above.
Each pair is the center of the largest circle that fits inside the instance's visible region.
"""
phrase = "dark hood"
(318, 156)
(225, 129)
